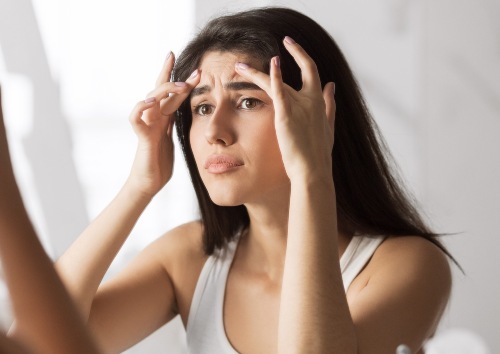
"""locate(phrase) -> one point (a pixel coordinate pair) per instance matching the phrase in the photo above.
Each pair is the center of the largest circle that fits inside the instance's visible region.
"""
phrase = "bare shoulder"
(406, 286)
(181, 247)
(411, 263)
(413, 257)
(183, 238)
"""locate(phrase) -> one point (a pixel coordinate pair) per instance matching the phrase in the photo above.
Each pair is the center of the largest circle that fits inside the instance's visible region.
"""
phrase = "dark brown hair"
(371, 199)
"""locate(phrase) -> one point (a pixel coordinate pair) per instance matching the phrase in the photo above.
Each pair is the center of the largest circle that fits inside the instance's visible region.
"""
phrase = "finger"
(170, 127)
(331, 107)
(253, 75)
(164, 90)
(308, 68)
(166, 70)
(277, 87)
(172, 102)
(135, 117)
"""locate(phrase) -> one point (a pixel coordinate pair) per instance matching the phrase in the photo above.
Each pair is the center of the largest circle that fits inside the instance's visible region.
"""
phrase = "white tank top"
(205, 328)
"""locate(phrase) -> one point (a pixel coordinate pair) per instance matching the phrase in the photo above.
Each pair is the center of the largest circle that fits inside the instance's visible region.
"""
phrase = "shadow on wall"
(48, 147)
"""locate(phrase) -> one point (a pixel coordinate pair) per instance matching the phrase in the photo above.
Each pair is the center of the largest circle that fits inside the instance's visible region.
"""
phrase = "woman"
(307, 242)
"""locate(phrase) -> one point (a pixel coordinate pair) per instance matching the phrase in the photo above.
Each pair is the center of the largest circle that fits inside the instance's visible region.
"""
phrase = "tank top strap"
(357, 254)
(205, 327)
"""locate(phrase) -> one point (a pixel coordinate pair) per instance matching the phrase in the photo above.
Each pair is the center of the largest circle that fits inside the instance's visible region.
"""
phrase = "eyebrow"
(232, 86)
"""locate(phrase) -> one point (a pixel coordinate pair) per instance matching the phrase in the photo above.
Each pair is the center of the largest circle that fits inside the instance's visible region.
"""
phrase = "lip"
(219, 163)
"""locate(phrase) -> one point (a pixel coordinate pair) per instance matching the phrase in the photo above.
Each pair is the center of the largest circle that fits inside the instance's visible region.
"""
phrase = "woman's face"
(232, 134)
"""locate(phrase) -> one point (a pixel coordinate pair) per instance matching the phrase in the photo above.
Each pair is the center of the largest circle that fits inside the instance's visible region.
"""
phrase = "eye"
(250, 103)
(203, 109)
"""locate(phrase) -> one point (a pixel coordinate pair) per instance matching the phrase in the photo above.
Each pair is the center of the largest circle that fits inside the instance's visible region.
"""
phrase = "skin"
(29, 274)
(284, 292)
(229, 112)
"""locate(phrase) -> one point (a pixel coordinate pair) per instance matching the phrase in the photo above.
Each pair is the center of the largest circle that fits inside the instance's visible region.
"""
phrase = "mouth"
(218, 164)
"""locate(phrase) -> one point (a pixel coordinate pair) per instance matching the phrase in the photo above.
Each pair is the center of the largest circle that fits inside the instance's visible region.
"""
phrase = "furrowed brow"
(231, 86)
(200, 90)
(241, 85)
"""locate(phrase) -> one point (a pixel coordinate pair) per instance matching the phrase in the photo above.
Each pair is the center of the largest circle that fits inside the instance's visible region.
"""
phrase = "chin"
(225, 199)
(226, 192)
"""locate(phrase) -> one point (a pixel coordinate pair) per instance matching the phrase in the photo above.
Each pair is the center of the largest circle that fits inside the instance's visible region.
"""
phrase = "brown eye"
(203, 109)
(249, 103)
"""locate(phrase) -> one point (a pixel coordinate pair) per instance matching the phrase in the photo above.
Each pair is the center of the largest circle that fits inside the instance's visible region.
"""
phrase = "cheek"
(264, 145)
(195, 140)
(266, 134)
(198, 147)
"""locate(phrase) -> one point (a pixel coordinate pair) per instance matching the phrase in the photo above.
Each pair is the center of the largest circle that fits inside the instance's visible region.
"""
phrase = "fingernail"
(334, 86)
(180, 84)
(168, 56)
(150, 100)
(193, 74)
(289, 40)
(242, 66)
(276, 61)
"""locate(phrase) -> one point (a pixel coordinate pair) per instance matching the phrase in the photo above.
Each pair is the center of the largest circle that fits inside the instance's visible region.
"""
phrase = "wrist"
(313, 179)
(315, 187)
(136, 193)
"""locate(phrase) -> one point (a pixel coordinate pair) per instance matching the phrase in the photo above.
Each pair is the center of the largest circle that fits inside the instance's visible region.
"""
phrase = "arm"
(315, 314)
(313, 307)
(318, 314)
(10, 346)
(84, 264)
(402, 293)
(38, 295)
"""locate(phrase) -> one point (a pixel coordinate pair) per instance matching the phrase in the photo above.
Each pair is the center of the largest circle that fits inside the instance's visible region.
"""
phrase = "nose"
(220, 128)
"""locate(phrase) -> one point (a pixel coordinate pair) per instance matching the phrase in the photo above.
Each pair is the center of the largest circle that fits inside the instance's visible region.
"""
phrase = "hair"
(371, 198)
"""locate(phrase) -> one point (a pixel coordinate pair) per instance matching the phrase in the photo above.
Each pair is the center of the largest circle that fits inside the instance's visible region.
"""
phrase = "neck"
(262, 249)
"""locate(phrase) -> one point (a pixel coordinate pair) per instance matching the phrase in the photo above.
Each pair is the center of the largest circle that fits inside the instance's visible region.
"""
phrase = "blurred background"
(72, 70)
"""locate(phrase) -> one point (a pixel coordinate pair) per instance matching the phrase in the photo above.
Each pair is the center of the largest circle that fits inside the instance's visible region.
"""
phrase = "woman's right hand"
(152, 120)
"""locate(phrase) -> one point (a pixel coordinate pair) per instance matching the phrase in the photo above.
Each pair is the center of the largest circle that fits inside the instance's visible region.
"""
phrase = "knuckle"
(136, 111)
(311, 65)
(132, 118)
(138, 107)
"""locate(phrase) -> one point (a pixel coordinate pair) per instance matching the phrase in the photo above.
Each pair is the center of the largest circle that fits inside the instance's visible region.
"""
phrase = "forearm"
(9, 346)
(83, 266)
(314, 315)
(37, 294)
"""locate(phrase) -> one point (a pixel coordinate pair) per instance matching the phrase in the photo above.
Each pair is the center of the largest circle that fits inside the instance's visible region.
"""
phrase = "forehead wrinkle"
(218, 71)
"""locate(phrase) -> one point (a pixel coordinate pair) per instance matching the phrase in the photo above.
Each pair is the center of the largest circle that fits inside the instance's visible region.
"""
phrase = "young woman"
(307, 241)
(46, 320)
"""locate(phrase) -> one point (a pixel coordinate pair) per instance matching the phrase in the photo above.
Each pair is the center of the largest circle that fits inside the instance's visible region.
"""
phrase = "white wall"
(461, 109)
(71, 70)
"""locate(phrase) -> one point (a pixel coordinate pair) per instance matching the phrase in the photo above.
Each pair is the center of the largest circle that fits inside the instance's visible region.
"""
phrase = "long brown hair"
(371, 198)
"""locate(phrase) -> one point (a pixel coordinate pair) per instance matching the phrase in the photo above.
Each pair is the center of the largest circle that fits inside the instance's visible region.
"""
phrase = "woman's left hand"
(304, 120)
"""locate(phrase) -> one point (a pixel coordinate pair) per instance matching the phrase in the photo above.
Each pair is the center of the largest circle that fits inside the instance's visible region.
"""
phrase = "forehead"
(218, 66)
